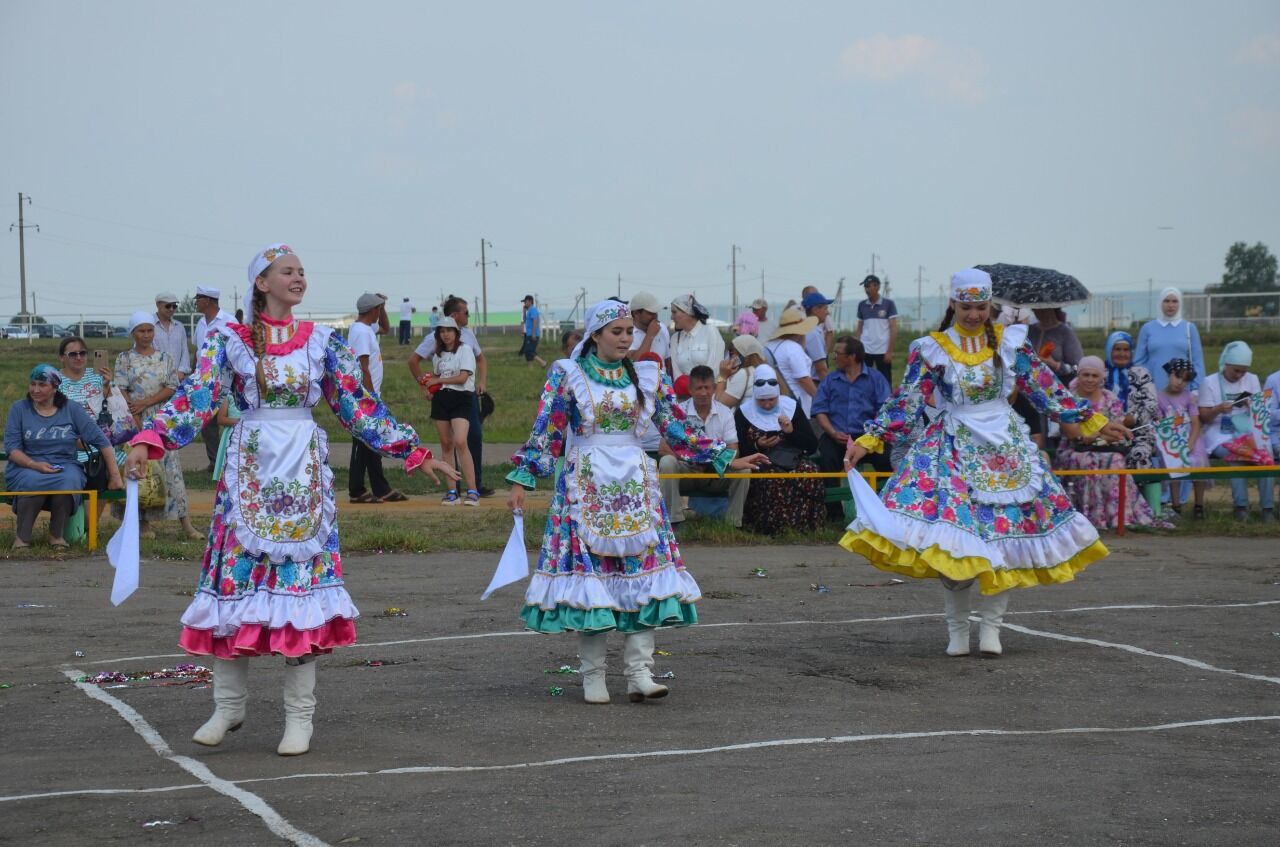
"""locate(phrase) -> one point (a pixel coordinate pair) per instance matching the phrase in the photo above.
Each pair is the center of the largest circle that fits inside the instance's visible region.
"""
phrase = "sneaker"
(1197, 513)
(472, 498)
(450, 498)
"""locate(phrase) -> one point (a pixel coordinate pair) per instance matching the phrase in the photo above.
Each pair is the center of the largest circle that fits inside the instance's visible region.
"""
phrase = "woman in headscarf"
(1098, 497)
(1169, 337)
(271, 583)
(609, 560)
(1136, 390)
(148, 378)
(973, 501)
(40, 437)
(737, 373)
(776, 426)
(694, 341)
(1227, 410)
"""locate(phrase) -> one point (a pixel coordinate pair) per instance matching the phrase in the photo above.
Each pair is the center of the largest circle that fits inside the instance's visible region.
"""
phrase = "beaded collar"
(611, 374)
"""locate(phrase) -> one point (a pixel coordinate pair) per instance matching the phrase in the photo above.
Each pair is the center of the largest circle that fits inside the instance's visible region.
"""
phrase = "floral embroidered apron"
(611, 485)
(1001, 462)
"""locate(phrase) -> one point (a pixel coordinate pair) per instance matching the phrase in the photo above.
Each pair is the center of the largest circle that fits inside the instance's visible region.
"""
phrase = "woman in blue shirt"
(1167, 338)
(41, 440)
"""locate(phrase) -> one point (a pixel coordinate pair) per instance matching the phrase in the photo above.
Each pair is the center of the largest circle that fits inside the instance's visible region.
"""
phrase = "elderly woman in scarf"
(694, 341)
(1232, 429)
(777, 426)
(1136, 389)
(1168, 337)
(1097, 497)
(41, 439)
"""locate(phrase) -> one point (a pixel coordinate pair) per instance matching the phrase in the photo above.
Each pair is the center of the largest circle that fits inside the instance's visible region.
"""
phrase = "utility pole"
(21, 226)
(839, 301)
(920, 296)
(483, 264)
(733, 266)
(619, 286)
(885, 286)
(762, 297)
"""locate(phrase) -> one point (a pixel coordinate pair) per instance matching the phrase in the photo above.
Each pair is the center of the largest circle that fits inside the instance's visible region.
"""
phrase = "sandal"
(1198, 513)
(472, 498)
(366, 498)
(58, 542)
(450, 498)
(394, 496)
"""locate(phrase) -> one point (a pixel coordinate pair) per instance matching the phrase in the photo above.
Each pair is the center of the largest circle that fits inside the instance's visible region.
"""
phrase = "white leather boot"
(956, 602)
(990, 615)
(230, 693)
(591, 649)
(637, 653)
(299, 706)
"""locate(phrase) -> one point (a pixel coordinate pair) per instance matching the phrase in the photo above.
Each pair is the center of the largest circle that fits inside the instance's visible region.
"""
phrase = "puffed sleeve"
(537, 458)
(176, 423)
(685, 438)
(362, 413)
(1049, 396)
(899, 413)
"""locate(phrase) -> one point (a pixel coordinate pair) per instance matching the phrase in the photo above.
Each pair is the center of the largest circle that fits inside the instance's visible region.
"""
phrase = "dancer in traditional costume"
(609, 559)
(271, 583)
(972, 501)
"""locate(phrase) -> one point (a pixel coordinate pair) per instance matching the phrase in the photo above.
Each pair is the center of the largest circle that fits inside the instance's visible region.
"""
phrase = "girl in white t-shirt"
(1224, 410)
(452, 388)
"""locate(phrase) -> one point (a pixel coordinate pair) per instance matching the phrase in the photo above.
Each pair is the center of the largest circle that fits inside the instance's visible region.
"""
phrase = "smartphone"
(1243, 399)
(99, 356)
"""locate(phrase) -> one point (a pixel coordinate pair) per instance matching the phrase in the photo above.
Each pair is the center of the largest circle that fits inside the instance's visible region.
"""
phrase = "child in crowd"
(1177, 398)
(455, 369)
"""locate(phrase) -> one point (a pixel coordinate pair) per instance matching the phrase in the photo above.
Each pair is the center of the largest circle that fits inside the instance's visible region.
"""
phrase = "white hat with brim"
(644, 301)
(167, 297)
(448, 323)
(208, 291)
(794, 322)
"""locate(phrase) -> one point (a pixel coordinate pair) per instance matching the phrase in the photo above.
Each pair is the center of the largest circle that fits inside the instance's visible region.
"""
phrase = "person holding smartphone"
(1225, 401)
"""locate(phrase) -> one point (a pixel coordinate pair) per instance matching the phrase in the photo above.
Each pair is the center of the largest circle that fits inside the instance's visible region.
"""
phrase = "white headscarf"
(766, 420)
(1176, 319)
(139, 318)
(598, 317)
(260, 263)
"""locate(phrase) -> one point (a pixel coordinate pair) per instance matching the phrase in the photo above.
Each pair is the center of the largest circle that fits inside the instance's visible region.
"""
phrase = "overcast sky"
(164, 143)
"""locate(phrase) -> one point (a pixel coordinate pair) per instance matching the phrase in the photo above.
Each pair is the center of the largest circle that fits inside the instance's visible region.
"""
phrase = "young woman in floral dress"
(972, 500)
(609, 559)
(271, 582)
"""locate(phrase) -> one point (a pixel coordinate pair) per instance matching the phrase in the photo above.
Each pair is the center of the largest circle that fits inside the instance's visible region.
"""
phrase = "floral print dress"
(1098, 497)
(271, 580)
(609, 558)
(141, 376)
(972, 499)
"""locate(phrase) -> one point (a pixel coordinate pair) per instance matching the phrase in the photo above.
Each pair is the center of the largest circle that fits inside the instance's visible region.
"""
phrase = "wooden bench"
(91, 509)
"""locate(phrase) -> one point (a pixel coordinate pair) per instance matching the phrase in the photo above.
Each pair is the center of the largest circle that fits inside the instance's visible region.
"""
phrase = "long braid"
(947, 318)
(259, 336)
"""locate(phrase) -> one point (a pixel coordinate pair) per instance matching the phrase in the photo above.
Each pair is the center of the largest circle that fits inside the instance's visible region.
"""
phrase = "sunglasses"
(170, 305)
(761, 383)
(77, 354)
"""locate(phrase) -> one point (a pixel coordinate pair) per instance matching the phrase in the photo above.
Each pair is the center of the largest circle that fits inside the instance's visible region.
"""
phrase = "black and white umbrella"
(1034, 288)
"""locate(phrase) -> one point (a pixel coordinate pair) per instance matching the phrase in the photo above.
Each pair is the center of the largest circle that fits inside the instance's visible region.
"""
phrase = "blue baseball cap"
(815, 298)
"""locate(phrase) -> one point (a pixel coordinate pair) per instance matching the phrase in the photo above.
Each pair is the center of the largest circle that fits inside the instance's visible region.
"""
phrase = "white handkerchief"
(514, 564)
(872, 513)
(122, 550)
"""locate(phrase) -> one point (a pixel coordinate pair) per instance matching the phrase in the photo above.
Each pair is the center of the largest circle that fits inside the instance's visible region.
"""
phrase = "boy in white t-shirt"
(363, 339)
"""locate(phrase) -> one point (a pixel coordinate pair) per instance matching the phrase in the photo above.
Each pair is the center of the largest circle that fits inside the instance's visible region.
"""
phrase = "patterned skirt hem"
(658, 614)
(259, 640)
(935, 562)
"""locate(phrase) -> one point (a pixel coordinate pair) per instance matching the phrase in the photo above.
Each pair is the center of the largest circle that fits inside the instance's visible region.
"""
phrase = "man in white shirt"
(817, 341)
(210, 317)
(651, 336)
(456, 308)
(363, 339)
(716, 421)
(171, 336)
(406, 321)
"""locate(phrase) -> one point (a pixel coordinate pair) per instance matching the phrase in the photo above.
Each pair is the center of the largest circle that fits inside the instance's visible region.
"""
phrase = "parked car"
(16, 331)
(94, 329)
(119, 332)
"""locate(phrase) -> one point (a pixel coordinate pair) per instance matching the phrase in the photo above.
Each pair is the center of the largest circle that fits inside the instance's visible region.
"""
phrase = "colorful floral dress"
(609, 558)
(1098, 497)
(141, 376)
(972, 498)
(271, 580)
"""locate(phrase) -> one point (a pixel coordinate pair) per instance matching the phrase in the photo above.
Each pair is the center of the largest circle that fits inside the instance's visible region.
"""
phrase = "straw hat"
(793, 322)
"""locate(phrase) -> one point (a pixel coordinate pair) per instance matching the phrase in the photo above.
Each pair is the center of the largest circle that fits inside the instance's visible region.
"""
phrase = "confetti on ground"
(149, 824)
(564, 669)
(79, 654)
(555, 690)
(819, 587)
(34, 606)
(394, 612)
(667, 675)
(885, 584)
(179, 675)
(760, 572)
(662, 653)
(379, 663)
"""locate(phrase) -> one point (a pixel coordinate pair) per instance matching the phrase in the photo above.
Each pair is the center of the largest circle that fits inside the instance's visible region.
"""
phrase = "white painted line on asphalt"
(700, 751)
(1129, 648)
(251, 802)
(801, 622)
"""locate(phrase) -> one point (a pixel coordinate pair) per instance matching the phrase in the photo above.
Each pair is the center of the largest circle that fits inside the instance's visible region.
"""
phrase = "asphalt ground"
(1135, 706)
